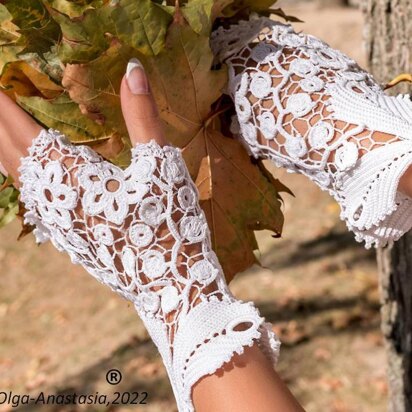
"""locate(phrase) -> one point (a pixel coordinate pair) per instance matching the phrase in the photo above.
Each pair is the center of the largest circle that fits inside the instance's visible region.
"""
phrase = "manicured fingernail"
(136, 77)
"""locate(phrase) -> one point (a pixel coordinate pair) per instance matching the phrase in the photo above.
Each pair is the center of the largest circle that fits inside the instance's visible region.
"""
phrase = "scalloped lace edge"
(368, 233)
(398, 210)
(262, 331)
(267, 341)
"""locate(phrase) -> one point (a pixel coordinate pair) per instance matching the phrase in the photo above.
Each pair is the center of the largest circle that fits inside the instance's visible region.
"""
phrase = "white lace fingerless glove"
(142, 233)
(313, 110)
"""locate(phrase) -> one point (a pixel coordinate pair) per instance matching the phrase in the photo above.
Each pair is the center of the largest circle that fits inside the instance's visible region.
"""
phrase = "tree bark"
(388, 35)
(395, 264)
(388, 38)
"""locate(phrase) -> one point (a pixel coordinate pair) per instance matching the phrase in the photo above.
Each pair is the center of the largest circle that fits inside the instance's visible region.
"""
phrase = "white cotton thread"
(315, 85)
(132, 230)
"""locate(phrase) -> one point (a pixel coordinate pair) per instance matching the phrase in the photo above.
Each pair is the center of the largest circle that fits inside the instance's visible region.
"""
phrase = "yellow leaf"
(404, 77)
(238, 196)
(20, 78)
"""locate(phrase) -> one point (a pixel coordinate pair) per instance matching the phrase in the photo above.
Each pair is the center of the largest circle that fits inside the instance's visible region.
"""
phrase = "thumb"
(138, 106)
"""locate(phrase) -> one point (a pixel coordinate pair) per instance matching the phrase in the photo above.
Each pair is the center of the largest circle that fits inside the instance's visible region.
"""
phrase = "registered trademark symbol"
(113, 376)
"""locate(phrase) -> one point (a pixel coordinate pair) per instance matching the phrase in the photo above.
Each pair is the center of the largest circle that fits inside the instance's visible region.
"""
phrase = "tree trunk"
(388, 36)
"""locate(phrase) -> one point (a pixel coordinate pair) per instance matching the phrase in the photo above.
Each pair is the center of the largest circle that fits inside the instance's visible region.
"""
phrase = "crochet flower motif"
(55, 199)
(109, 191)
(260, 84)
(171, 169)
(243, 107)
(262, 51)
(321, 134)
(326, 112)
(140, 234)
(148, 303)
(267, 125)
(295, 146)
(205, 270)
(311, 84)
(303, 68)
(170, 299)
(103, 234)
(346, 156)
(193, 228)
(299, 104)
(187, 198)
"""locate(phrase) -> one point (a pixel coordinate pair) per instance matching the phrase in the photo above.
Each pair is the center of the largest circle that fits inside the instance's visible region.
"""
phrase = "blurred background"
(61, 331)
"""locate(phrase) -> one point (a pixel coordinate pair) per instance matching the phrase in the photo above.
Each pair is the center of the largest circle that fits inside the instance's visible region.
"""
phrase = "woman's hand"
(313, 110)
(141, 232)
(18, 129)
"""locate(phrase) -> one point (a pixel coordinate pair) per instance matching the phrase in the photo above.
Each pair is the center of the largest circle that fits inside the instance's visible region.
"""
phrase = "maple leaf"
(97, 39)
(75, 8)
(9, 37)
(21, 79)
(8, 30)
(39, 32)
(236, 197)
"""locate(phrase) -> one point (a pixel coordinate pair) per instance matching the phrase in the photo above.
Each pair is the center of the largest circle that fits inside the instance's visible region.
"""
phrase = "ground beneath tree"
(61, 331)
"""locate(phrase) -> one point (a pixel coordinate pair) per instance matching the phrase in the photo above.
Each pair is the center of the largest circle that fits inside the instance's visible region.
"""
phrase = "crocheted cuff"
(59, 180)
(372, 206)
(28, 173)
(206, 339)
(47, 141)
(226, 42)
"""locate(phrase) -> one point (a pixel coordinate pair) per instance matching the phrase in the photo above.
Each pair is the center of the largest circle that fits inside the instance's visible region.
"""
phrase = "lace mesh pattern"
(313, 110)
(141, 232)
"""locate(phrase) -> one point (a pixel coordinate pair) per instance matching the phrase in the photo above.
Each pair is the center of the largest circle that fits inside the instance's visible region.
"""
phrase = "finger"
(17, 130)
(138, 106)
(16, 125)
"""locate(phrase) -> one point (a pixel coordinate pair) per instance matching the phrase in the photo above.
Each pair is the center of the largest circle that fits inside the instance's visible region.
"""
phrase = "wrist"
(207, 338)
(405, 182)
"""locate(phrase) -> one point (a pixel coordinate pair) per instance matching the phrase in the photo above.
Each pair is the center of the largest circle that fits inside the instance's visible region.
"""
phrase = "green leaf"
(63, 114)
(39, 31)
(8, 53)
(9, 36)
(141, 24)
(9, 214)
(75, 8)
(8, 30)
(89, 56)
(7, 195)
(198, 14)
(83, 38)
(8, 200)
